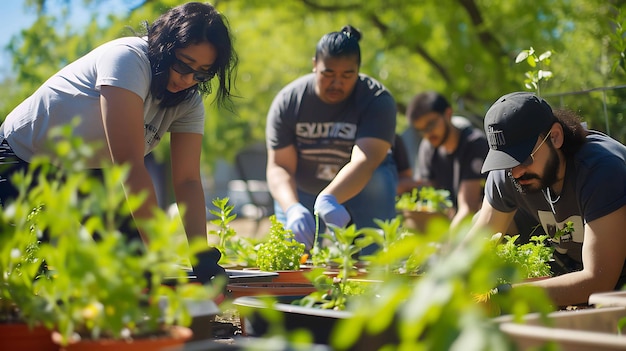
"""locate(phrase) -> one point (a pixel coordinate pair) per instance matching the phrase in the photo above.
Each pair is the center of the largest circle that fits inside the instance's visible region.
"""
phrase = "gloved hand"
(206, 266)
(300, 222)
(327, 207)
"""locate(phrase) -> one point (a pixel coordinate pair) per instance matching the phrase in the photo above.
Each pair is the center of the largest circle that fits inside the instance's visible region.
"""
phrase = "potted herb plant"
(103, 289)
(279, 253)
(422, 205)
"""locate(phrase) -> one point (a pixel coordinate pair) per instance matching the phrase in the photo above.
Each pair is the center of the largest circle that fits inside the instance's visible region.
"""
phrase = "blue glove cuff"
(296, 208)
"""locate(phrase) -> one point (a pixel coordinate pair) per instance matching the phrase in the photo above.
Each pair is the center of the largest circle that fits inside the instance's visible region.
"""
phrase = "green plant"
(536, 74)
(437, 311)
(617, 39)
(332, 293)
(426, 198)
(20, 267)
(235, 249)
(280, 251)
(102, 285)
(533, 257)
(224, 217)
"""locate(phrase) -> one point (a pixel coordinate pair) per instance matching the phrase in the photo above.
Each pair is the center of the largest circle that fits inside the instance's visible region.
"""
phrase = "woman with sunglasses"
(124, 96)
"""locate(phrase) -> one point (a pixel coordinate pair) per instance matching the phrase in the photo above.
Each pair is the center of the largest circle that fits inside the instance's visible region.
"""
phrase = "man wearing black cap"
(547, 164)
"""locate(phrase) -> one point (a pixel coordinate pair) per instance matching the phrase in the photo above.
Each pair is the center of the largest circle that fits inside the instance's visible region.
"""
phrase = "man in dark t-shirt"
(449, 157)
(549, 165)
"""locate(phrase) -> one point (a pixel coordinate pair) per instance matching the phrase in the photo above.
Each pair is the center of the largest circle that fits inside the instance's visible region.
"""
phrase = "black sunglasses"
(183, 68)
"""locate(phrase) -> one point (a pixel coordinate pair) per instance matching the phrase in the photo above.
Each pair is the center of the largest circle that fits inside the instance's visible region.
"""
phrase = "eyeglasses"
(430, 126)
(529, 161)
(184, 69)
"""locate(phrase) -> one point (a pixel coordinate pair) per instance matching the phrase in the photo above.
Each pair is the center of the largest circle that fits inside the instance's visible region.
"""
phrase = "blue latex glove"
(327, 207)
(300, 221)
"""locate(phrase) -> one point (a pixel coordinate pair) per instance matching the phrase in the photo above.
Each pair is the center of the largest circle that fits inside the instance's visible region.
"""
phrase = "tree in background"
(464, 48)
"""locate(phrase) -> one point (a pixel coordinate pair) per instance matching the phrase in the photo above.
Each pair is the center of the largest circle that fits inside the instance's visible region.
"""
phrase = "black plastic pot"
(319, 322)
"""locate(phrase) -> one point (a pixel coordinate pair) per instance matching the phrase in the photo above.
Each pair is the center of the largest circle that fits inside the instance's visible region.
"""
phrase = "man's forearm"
(282, 186)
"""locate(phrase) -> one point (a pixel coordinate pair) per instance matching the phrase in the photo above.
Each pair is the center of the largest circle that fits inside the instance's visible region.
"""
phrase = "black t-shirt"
(447, 171)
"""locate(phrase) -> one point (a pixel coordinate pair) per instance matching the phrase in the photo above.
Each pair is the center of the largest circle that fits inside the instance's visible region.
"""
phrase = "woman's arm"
(122, 116)
(187, 182)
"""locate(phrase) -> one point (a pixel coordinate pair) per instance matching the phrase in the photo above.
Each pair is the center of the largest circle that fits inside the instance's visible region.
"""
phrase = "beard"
(550, 175)
(446, 135)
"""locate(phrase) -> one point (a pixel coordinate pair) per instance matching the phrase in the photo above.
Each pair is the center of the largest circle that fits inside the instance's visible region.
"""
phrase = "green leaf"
(523, 55)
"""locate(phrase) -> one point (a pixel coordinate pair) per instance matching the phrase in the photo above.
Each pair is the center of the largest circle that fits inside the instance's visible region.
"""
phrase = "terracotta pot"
(174, 341)
(19, 337)
(287, 276)
(419, 220)
(236, 290)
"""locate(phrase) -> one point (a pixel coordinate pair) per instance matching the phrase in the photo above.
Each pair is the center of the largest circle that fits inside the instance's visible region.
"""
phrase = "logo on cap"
(495, 138)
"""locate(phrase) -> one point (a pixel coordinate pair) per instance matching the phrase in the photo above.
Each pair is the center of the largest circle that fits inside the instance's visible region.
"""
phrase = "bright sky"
(14, 17)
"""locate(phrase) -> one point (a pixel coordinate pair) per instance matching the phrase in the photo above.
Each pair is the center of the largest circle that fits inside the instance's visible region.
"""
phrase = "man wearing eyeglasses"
(548, 164)
(450, 155)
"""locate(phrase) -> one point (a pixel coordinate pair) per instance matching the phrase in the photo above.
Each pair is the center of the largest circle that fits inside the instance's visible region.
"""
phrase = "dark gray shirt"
(324, 134)
(594, 186)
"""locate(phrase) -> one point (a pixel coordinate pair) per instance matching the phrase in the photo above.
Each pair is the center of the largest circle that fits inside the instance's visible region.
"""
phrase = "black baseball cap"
(512, 124)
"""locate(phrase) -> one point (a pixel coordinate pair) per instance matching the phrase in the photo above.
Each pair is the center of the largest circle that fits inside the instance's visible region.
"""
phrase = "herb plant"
(532, 257)
(428, 199)
(235, 249)
(332, 293)
(224, 217)
(280, 251)
(20, 267)
(101, 284)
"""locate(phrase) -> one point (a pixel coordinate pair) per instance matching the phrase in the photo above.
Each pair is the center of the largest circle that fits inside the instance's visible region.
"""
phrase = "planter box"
(234, 276)
(236, 290)
(419, 220)
(319, 322)
(589, 329)
(249, 276)
(285, 276)
(256, 344)
(609, 298)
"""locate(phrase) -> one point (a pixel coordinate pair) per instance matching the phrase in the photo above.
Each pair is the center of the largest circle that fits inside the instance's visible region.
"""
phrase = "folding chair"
(250, 164)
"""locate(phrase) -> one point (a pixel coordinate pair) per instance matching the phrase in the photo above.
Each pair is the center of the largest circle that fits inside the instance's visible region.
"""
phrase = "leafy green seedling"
(536, 62)
(281, 251)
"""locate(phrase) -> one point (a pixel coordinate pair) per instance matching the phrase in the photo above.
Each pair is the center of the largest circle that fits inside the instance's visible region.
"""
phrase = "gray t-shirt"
(74, 92)
(594, 186)
(324, 134)
(447, 171)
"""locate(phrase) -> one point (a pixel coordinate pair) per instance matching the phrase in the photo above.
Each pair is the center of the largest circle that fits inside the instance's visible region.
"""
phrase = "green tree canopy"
(464, 48)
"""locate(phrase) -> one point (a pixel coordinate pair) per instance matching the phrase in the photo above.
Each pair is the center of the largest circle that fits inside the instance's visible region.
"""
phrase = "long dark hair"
(185, 25)
(574, 134)
(342, 43)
